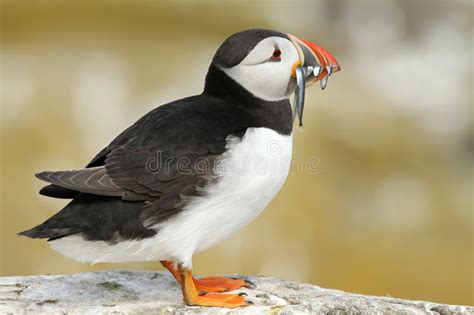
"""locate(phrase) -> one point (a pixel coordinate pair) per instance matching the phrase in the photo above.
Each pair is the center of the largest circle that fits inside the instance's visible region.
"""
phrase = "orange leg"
(171, 268)
(192, 297)
(211, 284)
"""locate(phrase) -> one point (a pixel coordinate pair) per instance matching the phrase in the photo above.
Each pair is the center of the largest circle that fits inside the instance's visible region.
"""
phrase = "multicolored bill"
(316, 64)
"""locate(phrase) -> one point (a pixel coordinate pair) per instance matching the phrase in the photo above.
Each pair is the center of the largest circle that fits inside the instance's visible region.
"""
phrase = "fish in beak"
(315, 64)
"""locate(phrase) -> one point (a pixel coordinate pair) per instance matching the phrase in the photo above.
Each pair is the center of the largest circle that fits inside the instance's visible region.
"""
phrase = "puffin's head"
(267, 63)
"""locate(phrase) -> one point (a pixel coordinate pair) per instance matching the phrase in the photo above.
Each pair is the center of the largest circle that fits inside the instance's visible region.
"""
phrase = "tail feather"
(58, 192)
(31, 233)
(94, 217)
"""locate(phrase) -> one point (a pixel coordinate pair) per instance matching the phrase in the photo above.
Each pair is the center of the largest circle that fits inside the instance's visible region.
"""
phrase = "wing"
(166, 154)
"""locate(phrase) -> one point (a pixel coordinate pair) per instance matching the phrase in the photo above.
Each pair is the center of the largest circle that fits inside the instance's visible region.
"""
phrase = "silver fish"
(317, 71)
(298, 104)
(329, 70)
(324, 82)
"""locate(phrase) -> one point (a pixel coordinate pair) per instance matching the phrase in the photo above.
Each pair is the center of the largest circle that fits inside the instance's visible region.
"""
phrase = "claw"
(250, 284)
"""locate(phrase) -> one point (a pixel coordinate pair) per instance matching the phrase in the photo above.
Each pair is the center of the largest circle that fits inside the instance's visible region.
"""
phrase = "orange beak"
(315, 59)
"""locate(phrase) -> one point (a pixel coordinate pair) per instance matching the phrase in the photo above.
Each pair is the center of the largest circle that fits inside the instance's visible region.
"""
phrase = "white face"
(263, 76)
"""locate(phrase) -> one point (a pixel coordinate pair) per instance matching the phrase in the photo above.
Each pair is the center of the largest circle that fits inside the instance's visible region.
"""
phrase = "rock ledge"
(145, 292)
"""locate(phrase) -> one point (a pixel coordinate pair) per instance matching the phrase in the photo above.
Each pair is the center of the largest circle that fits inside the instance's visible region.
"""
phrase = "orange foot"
(220, 300)
(211, 284)
(192, 296)
(221, 284)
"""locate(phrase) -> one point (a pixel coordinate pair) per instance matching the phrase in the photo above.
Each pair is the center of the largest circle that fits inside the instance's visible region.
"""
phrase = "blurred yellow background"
(389, 210)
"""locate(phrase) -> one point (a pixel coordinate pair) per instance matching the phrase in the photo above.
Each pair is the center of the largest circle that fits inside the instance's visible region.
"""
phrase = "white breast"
(251, 171)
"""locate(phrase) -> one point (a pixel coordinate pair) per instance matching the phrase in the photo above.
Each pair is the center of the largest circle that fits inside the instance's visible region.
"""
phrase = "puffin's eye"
(276, 55)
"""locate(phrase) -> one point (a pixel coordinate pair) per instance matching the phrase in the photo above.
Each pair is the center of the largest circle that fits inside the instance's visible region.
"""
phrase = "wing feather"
(92, 180)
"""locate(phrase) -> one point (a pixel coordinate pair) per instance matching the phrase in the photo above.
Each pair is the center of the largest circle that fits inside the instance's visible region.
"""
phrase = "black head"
(237, 46)
(263, 62)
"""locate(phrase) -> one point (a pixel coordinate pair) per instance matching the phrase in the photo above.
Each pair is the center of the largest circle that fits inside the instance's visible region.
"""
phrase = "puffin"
(192, 172)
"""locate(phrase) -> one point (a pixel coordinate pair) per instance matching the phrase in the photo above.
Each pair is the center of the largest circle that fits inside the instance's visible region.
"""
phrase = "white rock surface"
(145, 292)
